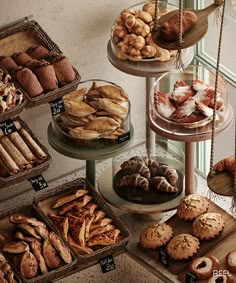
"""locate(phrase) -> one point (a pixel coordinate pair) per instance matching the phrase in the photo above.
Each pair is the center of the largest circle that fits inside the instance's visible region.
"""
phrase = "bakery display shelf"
(19, 37)
(30, 210)
(27, 173)
(44, 203)
(222, 183)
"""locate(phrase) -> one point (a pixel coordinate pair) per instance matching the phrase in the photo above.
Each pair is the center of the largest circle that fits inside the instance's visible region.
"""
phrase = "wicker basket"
(32, 211)
(43, 200)
(28, 173)
(38, 36)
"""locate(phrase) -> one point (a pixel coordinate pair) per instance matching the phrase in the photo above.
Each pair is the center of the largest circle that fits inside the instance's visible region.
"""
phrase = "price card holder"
(123, 138)
(107, 264)
(38, 183)
(8, 127)
(57, 106)
(190, 278)
(164, 257)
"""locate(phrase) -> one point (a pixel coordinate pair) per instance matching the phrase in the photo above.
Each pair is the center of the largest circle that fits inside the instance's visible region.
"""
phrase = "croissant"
(134, 180)
(161, 184)
(135, 166)
(170, 173)
(227, 164)
(169, 31)
(153, 166)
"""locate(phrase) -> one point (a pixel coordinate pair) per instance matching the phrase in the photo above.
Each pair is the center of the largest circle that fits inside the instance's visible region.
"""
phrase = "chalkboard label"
(38, 183)
(57, 106)
(190, 278)
(107, 264)
(163, 256)
(123, 138)
(8, 127)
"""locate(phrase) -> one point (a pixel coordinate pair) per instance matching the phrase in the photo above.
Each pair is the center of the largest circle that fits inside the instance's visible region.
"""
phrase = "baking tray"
(19, 37)
(28, 173)
(44, 203)
(32, 211)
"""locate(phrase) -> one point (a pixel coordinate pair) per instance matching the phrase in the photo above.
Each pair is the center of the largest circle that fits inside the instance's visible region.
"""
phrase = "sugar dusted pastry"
(161, 184)
(199, 85)
(192, 206)
(156, 235)
(208, 226)
(163, 104)
(205, 110)
(185, 109)
(183, 247)
(181, 93)
(133, 180)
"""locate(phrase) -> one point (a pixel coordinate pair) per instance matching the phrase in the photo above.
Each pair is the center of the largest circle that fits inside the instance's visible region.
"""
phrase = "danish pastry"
(203, 266)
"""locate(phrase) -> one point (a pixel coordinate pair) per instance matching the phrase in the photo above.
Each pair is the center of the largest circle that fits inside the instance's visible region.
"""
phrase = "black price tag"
(123, 138)
(38, 183)
(163, 256)
(190, 278)
(8, 127)
(107, 264)
(57, 106)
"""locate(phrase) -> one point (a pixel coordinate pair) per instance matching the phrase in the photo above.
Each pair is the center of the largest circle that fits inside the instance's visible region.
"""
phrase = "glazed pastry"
(21, 58)
(227, 164)
(22, 219)
(179, 83)
(46, 75)
(199, 85)
(112, 92)
(203, 266)
(42, 232)
(135, 166)
(105, 239)
(225, 278)
(102, 125)
(181, 93)
(16, 247)
(50, 255)
(161, 184)
(81, 202)
(205, 96)
(99, 214)
(62, 224)
(8, 63)
(156, 235)
(29, 265)
(183, 247)
(163, 104)
(78, 108)
(91, 207)
(20, 236)
(63, 200)
(231, 261)
(37, 250)
(60, 247)
(99, 231)
(192, 206)
(169, 173)
(185, 109)
(77, 229)
(29, 230)
(208, 226)
(29, 82)
(133, 180)
(169, 31)
(38, 52)
(205, 110)
(100, 223)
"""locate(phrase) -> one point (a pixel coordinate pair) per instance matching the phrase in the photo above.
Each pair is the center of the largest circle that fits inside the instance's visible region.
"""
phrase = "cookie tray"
(31, 210)
(45, 200)
(19, 37)
(31, 172)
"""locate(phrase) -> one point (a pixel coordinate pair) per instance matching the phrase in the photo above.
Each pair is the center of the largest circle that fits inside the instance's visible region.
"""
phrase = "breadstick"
(8, 162)
(19, 143)
(15, 154)
(34, 147)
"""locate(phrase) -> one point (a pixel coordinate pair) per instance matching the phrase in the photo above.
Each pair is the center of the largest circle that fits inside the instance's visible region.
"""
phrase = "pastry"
(169, 173)
(192, 206)
(208, 226)
(226, 277)
(22, 219)
(152, 165)
(156, 235)
(102, 125)
(7, 162)
(163, 104)
(81, 133)
(29, 265)
(42, 232)
(20, 236)
(68, 198)
(25, 228)
(181, 93)
(169, 31)
(183, 247)
(29, 82)
(77, 229)
(21, 58)
(16, 247)
(111, 107)
(136, 166)
(205, 110)
(114, 93)
(105, 239)
(99, 231)
(50, 255)
(100, 223)
(62, 224)
(8, 63)
(78, 108)
(161, 184)
(38, 52)
(7, 270)
(76, 95)
(99, 214)
(60, 247)
(227, 164)
(81, 202)
(231, 261)
(80, 249)
(133, 180)
(5, 237)
(185, 109)
(37, 251)
(202, 267)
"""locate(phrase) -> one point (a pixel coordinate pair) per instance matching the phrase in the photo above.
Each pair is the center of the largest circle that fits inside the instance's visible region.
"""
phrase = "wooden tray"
(28, 173)
(180, 226)
(31, 211)
(44, 203)
(21, 36)
(220, 251)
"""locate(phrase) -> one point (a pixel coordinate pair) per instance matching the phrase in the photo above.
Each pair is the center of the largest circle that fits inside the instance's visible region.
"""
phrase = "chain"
(156, 15)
